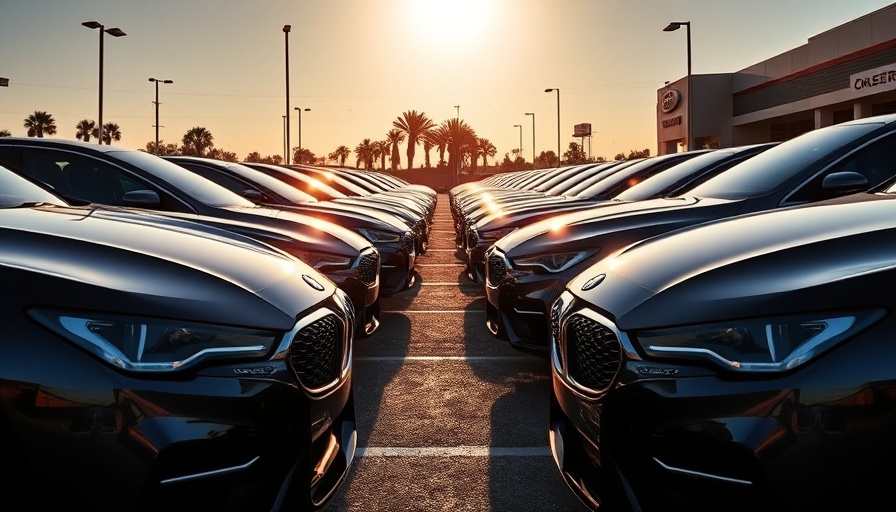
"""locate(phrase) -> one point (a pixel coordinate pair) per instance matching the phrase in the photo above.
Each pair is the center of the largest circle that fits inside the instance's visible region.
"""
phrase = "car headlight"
(375, 235)
(553, 262)
(495, 234)
(153, 344)
(758, 345)
(323, 262)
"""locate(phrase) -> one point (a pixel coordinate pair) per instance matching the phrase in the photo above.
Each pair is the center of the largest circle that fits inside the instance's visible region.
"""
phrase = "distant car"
(323, 191)
(485, 230)
(391, 236)
(142, 368)
(122, 177)
(528, 268)
(743, 364)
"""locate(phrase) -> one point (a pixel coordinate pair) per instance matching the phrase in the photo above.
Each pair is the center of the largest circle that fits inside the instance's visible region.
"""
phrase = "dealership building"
(848, 72)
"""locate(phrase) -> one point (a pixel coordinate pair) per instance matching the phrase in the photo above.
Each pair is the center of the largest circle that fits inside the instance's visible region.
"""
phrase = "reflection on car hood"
(303, 228)
(794, 259)
(156, 265)
(565, 228)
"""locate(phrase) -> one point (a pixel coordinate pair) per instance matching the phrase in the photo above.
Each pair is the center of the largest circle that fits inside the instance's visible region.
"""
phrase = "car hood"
(795, 259)
(544, 233)
(602, 210)
(304, 228)
(111, 259)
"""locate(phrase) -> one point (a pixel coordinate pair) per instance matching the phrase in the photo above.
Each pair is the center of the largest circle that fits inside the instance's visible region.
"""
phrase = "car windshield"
(766, 172)
(17, 191)
(288, 192)
(197, 187)
(657, 183)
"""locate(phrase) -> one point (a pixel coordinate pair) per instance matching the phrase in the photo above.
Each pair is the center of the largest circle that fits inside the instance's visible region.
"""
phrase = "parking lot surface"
(449, 417)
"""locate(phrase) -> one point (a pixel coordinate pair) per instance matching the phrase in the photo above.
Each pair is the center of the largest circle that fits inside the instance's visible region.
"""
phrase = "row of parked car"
(180, 330)
(720, 330)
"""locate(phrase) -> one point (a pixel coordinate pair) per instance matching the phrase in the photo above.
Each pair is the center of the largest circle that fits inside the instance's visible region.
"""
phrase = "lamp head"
(117, 32)
(92, 24)
(675, 25)
(287, 28)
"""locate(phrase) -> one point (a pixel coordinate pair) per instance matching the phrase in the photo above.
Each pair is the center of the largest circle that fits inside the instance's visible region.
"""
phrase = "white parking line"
(455, 451)
(427, 312)
(521, 357)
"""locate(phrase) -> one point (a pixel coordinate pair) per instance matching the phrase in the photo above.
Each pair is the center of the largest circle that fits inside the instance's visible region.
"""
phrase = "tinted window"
(194, 185)
(876, 161)
(768, 171)
(649, 188)
(16, 190)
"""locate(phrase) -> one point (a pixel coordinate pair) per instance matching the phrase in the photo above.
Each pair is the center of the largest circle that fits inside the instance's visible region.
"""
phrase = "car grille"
(369, 267)
(497, 269)
(316, 352)
(593, 352)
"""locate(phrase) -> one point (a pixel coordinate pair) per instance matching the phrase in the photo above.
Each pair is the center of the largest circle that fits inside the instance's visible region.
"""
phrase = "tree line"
(456, 144)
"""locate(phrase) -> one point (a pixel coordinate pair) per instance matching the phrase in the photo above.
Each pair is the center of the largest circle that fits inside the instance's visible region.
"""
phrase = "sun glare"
(451, 21)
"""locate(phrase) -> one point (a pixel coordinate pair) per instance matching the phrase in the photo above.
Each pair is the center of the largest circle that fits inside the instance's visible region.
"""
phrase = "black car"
(324, 191)
(484, 231)
(742, 364)
(121, 177)
(822, 164)
(391, 236)
(528, 268)
(150, 363)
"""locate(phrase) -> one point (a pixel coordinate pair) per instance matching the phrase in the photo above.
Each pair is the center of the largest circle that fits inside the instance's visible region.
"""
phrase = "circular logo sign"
(671, 99)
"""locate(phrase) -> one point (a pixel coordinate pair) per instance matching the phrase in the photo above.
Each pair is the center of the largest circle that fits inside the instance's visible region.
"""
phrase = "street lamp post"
(558, 123)
(299, 109)
(533, 137)
(286, 29)
(117, 32)
(672, 26)
(156, 80)
(519, 150)
(457, 108)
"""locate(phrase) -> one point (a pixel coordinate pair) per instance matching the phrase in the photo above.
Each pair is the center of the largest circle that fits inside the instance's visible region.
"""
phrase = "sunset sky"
(358, 64)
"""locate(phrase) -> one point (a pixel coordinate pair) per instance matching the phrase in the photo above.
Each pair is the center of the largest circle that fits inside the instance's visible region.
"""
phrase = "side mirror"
(253, 195)
(844, 182)
(141, 199)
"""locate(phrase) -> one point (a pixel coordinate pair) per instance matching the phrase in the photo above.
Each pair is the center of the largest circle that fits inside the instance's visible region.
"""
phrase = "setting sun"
(450, 21)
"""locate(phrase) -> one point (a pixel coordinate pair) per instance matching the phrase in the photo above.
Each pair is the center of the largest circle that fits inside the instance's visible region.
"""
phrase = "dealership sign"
(874, 80)
(671, 100)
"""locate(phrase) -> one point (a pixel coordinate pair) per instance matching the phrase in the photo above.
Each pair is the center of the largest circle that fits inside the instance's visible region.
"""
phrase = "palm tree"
(461, 143)
(439, 138)
(341, 154)
(381, 151)
(197, 140)
(111, 132)
(427, 147)
(5, 133)
(364, 153)
(85, 129)
(40, 123)
(486, 149)
(395, 137)
(415, 125)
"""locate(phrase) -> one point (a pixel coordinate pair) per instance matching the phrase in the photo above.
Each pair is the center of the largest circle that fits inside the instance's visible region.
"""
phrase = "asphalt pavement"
(449, 417)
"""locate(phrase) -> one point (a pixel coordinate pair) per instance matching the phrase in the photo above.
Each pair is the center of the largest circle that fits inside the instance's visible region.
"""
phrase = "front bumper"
(239, 437)
(670, 437)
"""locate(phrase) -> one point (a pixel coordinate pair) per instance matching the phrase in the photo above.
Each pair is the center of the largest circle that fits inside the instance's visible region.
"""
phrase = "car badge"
(594, 281)
(649, 370)
(312, 283)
